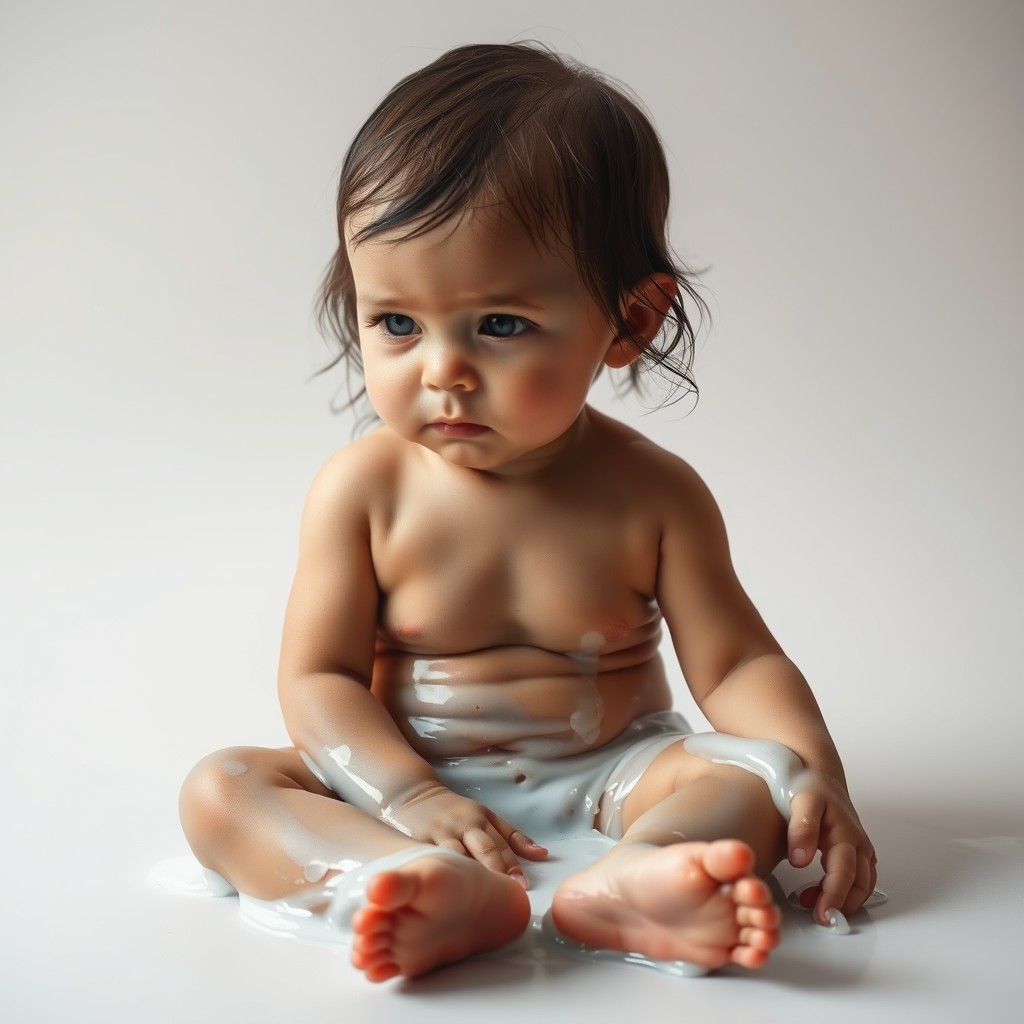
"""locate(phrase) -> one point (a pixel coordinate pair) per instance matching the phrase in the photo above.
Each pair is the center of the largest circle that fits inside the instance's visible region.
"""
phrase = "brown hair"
(572, 156)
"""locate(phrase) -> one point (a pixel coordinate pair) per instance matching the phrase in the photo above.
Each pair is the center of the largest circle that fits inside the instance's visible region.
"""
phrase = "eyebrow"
(386, 301)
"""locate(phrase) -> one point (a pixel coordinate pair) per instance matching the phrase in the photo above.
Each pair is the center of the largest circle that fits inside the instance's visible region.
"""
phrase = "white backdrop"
(848, 173)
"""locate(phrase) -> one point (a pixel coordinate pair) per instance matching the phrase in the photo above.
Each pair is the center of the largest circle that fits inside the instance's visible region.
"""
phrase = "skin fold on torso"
(543, 631)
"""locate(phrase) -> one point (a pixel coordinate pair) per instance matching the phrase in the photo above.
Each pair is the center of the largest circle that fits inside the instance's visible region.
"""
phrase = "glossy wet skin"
(487, 571)
(479, 347)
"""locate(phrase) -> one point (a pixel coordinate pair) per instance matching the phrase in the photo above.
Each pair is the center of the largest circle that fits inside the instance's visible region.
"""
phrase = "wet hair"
(561, 146)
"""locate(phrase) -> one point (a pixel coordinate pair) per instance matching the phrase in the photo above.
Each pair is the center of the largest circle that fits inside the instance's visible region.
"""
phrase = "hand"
(822, 817)
(434, 814)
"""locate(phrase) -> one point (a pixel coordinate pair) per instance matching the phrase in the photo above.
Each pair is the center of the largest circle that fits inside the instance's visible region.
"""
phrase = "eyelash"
(377, 320)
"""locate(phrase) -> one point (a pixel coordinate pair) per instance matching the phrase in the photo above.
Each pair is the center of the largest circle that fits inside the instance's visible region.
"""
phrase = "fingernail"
(520, 877)
(799, 856)
(835, 921)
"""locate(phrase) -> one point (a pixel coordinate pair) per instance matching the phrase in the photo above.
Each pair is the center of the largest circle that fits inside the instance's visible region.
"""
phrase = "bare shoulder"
(358, 480)
(665, 484)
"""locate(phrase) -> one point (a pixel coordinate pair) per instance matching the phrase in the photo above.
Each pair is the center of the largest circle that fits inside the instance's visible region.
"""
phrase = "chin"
(470, 460)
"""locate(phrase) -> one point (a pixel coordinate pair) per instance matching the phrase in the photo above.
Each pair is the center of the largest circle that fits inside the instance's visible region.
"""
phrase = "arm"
(745, 685)
(326, 666)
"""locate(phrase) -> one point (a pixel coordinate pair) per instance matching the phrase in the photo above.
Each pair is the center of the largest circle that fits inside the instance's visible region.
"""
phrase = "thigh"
(247, 768)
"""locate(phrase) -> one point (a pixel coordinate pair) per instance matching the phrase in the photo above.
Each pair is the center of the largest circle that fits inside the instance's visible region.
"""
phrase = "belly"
(523, 700)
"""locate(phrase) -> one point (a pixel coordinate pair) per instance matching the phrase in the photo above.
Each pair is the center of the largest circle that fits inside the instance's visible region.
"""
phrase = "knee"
(212, 798)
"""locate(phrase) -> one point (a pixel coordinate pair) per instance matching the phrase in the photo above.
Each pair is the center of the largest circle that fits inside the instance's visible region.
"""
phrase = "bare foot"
(434, 911)
(692, 901)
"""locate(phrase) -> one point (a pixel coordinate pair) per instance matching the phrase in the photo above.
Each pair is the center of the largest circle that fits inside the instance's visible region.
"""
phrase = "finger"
(519, 841)
(863, 884)
(804, 832)
(491, 850)
(525, 846)
(453, 844)
(840, 864)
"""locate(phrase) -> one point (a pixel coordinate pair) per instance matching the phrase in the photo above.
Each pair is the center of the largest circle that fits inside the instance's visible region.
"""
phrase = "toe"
(761, 939)
(368, 945)
(371, 921)
(392, 889)
(378, 963)
(759, 917)
(752, 892)
(727, 860)
(748, 957)
(382, 972)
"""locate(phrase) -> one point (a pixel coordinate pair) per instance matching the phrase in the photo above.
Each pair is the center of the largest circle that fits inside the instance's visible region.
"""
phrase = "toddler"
(470, 664)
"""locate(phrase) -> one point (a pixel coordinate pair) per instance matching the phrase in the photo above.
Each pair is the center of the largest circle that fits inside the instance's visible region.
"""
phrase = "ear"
(644, 309)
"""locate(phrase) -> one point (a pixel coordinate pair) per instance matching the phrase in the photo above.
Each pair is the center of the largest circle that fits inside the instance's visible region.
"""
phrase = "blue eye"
(503, 325)
(398, 326)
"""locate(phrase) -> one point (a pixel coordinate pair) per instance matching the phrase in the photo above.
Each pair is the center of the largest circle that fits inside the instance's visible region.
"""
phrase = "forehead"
(484, 251)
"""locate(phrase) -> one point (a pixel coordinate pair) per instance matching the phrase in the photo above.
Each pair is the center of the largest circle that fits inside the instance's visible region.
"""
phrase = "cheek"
(385, 387)
(547, 393)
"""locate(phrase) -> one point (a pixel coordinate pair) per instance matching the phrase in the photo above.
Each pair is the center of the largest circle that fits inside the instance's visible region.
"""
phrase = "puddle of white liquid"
(301, 915)
(294, 917)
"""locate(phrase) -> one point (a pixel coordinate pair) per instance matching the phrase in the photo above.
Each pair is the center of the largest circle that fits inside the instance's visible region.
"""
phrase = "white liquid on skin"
(343, 893)
(296, 916)
(308, 851)
(784, 774)
(342, 757)
(475, 715)
(362, 781)
(424, 683)
(453, 716)
(336, 771)
(585, 722)
(781, 770)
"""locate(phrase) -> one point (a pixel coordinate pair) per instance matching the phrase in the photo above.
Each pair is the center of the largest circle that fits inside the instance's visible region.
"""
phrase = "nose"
(447, 367)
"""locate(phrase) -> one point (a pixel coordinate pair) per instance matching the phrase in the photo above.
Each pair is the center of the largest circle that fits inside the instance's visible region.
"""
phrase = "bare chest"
(458, 575)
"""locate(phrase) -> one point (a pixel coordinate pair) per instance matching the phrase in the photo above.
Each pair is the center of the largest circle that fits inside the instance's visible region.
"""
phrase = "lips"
(458, 429)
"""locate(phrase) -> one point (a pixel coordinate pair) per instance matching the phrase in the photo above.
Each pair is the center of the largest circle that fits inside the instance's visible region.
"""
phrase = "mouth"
(458, 428)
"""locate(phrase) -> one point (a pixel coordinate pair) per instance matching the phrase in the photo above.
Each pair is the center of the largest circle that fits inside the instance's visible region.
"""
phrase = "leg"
(261, 819)
(682, 883)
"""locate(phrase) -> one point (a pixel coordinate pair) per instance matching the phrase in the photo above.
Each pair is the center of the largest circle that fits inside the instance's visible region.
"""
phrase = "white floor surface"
(94, 940)
(849, 176)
